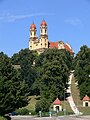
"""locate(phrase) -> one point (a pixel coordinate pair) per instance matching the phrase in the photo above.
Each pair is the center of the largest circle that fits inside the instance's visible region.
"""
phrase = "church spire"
(43, 28)
(33, 30)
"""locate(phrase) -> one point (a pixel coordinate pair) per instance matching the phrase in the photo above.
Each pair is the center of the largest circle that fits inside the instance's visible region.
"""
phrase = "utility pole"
(77, 104)
(64, 104)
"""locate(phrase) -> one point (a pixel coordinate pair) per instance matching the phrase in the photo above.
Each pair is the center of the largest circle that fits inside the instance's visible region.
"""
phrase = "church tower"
(43, 35)
(33, 37)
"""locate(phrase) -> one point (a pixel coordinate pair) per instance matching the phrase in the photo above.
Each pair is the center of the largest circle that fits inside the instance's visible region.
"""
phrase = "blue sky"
(68, 20)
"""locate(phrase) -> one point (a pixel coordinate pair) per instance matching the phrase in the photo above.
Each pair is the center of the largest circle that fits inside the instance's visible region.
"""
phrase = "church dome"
(33, 26)
(43, 23)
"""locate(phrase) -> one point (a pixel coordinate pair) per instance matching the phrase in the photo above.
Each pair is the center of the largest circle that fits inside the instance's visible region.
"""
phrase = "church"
(42, 43)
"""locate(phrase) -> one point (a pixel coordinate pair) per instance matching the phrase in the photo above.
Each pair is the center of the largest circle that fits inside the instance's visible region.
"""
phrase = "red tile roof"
(68, 48)
(86, 98)
(53, 44)
(57, 102)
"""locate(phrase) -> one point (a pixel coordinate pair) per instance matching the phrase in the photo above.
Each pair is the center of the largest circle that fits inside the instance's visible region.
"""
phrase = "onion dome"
(33, 26)
(43, 23)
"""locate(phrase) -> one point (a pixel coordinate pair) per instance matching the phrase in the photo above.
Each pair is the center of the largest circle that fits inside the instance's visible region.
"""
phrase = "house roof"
(86, 98)
(57, 102)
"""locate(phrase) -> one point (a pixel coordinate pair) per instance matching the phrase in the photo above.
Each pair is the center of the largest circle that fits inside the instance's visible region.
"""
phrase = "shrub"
(22, 111)
(42, 105)
(32, 112)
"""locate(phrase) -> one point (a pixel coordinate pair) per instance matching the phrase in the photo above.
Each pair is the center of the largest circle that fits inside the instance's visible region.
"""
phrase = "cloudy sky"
(68, 20)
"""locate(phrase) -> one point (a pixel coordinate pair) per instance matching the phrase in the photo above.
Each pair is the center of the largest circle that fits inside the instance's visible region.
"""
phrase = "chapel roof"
(57, 102)
(86, 98)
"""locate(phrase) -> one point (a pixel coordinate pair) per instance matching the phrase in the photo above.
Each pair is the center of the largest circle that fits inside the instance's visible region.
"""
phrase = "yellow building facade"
(42, 43)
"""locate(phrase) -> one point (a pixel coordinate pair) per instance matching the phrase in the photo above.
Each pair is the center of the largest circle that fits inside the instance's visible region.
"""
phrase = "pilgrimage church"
(42, 43)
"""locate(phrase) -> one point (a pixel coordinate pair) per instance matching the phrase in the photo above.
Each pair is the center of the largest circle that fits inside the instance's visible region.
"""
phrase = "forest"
(45, 75)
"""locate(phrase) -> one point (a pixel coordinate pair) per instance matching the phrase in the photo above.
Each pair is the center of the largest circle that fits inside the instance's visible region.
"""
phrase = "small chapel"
(41, 43)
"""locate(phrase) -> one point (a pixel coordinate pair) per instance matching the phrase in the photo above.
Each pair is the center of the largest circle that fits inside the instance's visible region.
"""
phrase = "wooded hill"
(45, 75)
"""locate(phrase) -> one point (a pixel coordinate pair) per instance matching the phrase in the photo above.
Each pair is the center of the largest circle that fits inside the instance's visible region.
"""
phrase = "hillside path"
(70, 98)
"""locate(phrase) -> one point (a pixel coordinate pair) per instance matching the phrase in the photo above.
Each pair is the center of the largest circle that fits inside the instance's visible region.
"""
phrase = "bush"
(22, 111)
(32, 112)
(42, 105)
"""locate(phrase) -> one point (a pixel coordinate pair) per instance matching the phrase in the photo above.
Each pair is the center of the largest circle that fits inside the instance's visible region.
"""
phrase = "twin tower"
(41, 43)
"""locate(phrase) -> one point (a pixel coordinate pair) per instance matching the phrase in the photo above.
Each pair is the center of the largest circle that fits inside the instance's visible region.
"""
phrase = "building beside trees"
(57, 105)
(86, 101)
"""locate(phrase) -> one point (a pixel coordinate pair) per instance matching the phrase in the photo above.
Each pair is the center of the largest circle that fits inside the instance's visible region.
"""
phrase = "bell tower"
(43, 34)
(43, 28)
(33, 37)
(33, 31)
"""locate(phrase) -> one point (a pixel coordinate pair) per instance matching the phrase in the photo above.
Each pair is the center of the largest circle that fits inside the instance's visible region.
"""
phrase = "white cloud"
(11, 18)
(74, 22)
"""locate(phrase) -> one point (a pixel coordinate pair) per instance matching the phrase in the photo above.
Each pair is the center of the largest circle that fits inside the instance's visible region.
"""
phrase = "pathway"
(70, 98)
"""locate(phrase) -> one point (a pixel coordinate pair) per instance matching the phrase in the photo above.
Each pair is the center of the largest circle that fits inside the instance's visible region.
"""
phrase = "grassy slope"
(32, 102)
(34, 99)
(2, 118)
(77, 100)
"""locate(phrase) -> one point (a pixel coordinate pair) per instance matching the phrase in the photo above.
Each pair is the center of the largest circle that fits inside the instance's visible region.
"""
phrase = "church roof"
(53, 44)
(86, 98)
(57, 102)
(68, 48)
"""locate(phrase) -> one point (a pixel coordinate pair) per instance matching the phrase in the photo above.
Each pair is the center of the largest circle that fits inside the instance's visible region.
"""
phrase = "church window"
(45, 44)
(45, 30)
(41, 44)
(41, 30)
(31, 33)
(34, 33)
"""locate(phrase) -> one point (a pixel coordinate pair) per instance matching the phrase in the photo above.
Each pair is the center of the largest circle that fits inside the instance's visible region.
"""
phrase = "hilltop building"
(42, 43)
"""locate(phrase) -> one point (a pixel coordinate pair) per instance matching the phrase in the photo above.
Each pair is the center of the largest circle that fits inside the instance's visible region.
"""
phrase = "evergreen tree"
(13, 90)
(82, 70)
(25, 58)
